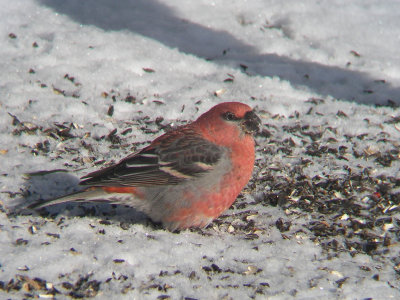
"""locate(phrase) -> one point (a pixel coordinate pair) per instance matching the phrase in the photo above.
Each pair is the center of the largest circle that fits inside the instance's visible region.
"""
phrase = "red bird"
(186, 177)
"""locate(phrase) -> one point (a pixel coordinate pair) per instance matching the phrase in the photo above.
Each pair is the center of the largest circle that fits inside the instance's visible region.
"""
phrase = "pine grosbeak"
(186, 177)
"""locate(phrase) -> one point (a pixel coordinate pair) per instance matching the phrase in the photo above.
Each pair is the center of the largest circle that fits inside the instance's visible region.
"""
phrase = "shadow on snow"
(155, 20)
(46, 185)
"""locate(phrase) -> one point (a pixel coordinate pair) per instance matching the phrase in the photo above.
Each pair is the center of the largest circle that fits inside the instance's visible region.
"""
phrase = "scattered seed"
(118, 261)
(110, 110)
(219, 92)
(21, 242)
(148, 70)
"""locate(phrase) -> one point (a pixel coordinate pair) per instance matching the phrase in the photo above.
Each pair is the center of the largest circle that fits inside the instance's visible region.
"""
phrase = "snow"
(322, 75)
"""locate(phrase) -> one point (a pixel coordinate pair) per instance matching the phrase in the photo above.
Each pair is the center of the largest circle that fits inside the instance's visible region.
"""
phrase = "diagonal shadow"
(45, 185)
(157, 21)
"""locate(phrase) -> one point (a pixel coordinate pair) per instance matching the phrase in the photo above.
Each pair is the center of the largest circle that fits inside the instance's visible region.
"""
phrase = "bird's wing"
(174, 157)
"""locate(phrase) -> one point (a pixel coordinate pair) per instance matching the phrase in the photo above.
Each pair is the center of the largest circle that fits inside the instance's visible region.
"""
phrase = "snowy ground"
(84, 83)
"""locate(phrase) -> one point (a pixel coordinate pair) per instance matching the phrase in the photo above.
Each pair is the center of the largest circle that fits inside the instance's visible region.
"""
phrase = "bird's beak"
(251, 122)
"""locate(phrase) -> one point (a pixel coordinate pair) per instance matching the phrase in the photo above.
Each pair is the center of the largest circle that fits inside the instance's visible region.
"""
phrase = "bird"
(186, 177)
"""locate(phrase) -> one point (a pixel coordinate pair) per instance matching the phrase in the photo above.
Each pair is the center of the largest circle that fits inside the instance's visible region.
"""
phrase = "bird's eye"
(229, 116)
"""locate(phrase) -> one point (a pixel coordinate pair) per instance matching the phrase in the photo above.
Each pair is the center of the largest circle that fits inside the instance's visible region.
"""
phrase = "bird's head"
(230, 119)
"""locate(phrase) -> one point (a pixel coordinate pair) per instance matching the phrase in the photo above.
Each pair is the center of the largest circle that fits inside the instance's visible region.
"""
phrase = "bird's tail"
(90, 194)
